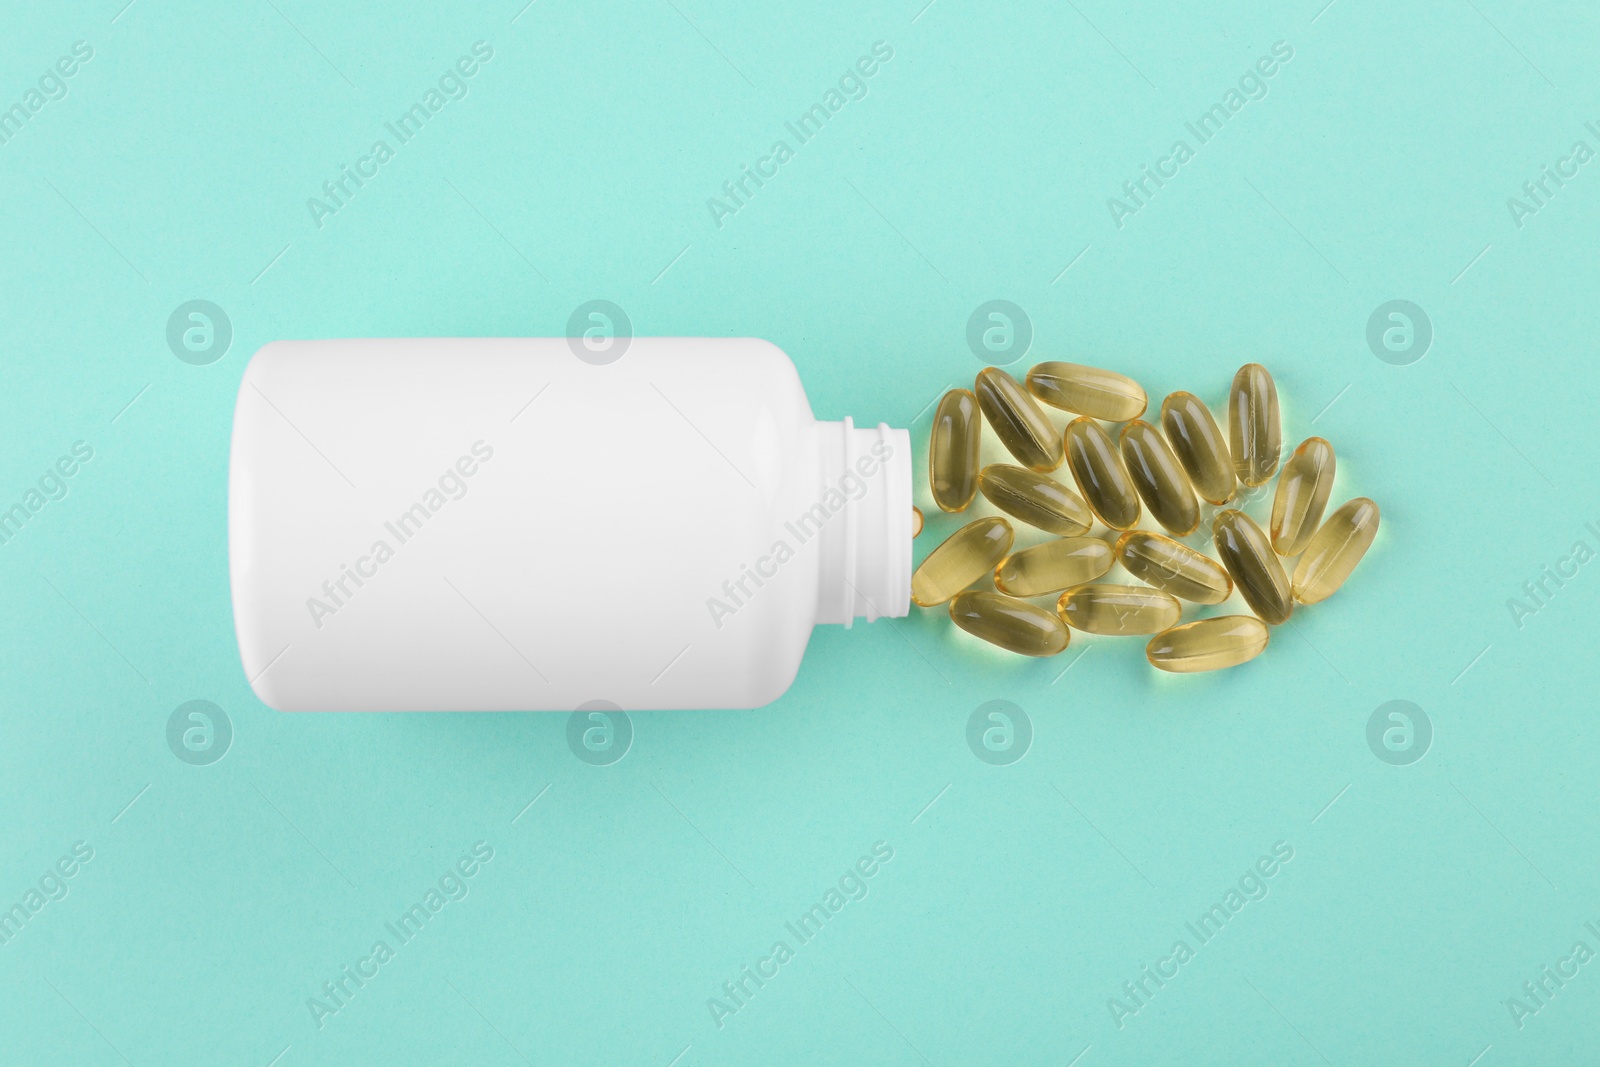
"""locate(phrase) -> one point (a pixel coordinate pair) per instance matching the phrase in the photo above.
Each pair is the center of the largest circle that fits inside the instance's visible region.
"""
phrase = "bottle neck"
(865, 488)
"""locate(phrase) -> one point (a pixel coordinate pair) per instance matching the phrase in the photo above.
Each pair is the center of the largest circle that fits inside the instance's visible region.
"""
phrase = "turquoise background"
(1020, 897)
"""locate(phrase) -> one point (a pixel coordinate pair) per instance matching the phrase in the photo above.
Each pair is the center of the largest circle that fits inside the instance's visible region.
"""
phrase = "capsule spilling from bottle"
(953, 451)
(1199, 445)
(1254, 567)
(1014, 625)
(1303, 490)
(1099, 394)
(1017, 420)
(1118, 610)
(1208, 644)
(1102, 479)
(1173, 567)
(1159, 478)
(963, 558)
(1181, 472)
(1053, 566)
(1254, 434)
(1036, 499)
(1335, 550)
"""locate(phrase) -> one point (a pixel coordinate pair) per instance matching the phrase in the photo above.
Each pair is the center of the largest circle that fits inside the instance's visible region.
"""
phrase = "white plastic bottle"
(503, 524)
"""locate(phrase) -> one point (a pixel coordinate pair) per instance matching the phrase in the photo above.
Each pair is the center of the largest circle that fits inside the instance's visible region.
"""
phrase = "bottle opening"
(866, 555)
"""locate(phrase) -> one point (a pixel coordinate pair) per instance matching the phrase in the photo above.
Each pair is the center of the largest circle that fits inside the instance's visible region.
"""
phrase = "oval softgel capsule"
(1118, 610)
(1208, 644)
(1099, 394)
(1335, 550)
(1053, 566)
(1014, 625)
(1199, 445)
(1159, 478)
(1173, 567)
(1102, 479)
(1254, 567)
(1302, 494)
(1034, 498)
(1255, 435)
(1016, 419)
(963, 558)
(953, 451)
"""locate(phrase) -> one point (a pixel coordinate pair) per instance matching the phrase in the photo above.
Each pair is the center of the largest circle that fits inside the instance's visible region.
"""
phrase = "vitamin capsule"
(1021, 426)
(916, 521)
(1335, 550)
(1254, 435)
(1159, 478)
(1199, 445)
(1102, 479)
(1099, 394)
(1255, 569)
(1053, 566)
(1173, 567)
(1303, 489)
(963, 558)
(953, 451)
(1119, 610)
(1208, 644)
(1014, 625)
(1037, 499)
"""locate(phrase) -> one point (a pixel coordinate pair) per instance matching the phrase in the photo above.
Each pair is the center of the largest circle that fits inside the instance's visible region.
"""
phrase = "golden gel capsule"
(1207, 645)
(1173, 567)
(1199, 445)
(1255, 569)
(953, 451)
(1021, 426)
(963, 558)
(1102, 479)
(1159, 477)
(1099, 394)
(916, 521)
(1303, 489)
(1053, 566)
(1254, 435)
(1335, 550)
(1014, 625)
(1037, 499)
(1119, 610)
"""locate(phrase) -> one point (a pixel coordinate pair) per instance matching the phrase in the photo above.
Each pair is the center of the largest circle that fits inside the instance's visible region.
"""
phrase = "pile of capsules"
(1169, 470)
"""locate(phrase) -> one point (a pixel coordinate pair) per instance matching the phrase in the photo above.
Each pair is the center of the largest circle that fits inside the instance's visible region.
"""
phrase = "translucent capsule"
(1173, 567)
(1335, 550)
(1101, 477)
(1119, 610)
(1036, 499)
(963, 558)
(916, 521)
(1199, 445)
(953, 451)
(1254, 435)
(1303, 489)
(1208, 644)
(1255, 569)
(1159, 478)
(1053, 566)
(1099, 394)
(1024, 429)
(1014, 625)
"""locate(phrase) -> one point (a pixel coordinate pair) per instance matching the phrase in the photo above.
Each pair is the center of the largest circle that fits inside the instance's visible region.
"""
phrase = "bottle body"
(496, 524)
